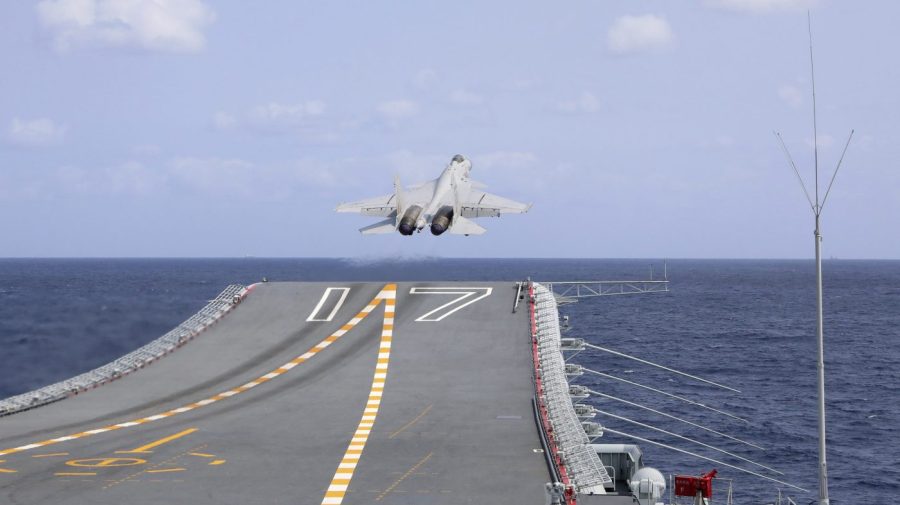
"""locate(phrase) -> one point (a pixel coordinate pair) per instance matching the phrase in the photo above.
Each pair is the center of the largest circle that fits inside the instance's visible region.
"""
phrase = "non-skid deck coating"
(287, 400)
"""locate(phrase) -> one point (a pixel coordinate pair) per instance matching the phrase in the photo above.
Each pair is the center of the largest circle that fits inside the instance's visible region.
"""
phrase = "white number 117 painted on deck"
(464, 299)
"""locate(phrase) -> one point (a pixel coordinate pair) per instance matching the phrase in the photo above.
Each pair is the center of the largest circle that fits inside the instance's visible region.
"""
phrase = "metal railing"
(139, 358)
(569, 291)
(582, 462)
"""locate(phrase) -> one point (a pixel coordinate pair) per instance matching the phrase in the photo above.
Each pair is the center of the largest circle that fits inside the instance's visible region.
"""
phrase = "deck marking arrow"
(456, 304)
(313, 316)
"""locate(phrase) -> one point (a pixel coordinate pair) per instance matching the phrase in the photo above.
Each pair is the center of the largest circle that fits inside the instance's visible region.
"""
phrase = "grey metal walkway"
(304, 394)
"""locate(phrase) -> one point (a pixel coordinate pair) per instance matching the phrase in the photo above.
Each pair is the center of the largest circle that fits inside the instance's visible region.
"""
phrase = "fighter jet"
(447, 203)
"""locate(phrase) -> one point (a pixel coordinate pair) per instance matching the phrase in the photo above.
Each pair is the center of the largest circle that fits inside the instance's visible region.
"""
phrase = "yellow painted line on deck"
(7, 470)
(167, 470)
(145, 449)
(74, 474)
(404, 476)
(50, 455)
(217, 462)
(225, 394)
(344, 473)
(169, 461)
(202, 455)
(414, 421)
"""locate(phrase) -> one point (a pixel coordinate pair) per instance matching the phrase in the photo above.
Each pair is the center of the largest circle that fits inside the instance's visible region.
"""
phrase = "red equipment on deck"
(688, 485)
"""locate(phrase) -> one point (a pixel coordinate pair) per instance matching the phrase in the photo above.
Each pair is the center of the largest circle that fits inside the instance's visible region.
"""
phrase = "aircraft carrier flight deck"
(305, 393)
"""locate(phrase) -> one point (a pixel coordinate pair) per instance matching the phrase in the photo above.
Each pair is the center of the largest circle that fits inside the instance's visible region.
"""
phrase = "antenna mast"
(817, 207)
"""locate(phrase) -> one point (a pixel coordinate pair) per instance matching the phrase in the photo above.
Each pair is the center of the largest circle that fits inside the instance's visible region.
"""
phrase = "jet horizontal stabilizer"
(463, 226)
(386, 226)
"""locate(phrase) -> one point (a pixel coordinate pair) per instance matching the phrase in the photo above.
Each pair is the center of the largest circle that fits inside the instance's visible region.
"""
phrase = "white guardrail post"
(582, 462)
(212, 312)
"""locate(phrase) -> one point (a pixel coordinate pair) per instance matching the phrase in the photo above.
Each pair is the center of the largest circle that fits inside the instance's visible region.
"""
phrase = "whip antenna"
(838, 167)
(812, 75)
(817, 206)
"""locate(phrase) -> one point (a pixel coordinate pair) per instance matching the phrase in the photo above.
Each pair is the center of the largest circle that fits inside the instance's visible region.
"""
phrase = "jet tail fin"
(401, 204)
(456, 203)
(385, 226)
(463, 226)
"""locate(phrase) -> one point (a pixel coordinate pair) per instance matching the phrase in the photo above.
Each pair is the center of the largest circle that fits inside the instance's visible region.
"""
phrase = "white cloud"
(160, 25)
(221, 176)
(203, 177)
(304, 118)
(636, 34)
(128, 178)
(277, 114)
(224, 121)
(586, 102)
(35, 132)
(133, 177)
(762, 6)
(307, 119)
(791, 95)
(395, 110)
(464, 97)
(232, 177)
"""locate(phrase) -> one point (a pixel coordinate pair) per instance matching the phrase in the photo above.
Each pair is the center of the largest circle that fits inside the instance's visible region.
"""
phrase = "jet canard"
(448, 203)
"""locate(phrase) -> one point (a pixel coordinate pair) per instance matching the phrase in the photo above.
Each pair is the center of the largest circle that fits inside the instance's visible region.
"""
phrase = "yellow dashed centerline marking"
(382, 296)
(154, 468)
(404, 476)
(344, 473)
(414, 421)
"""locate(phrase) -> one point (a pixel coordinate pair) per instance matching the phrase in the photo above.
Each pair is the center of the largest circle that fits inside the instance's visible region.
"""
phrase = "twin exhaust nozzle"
(413, 221)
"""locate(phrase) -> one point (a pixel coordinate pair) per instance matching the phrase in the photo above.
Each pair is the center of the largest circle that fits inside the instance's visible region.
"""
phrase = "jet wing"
(380, 206)
(481, 204)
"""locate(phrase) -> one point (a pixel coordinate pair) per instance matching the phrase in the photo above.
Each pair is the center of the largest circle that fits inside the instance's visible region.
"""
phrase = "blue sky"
(637, 129)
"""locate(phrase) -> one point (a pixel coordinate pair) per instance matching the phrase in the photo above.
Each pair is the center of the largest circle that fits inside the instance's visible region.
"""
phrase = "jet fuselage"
(453, 185)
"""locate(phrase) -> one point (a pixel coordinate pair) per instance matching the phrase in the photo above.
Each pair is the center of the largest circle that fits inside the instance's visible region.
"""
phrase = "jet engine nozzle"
(408, 221)
(441, 221)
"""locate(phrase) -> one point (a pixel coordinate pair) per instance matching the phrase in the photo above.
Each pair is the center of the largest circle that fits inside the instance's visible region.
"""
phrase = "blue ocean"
(749, 324)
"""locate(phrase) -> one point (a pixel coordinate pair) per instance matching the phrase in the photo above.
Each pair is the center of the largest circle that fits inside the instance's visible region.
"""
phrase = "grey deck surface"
(455, 423)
